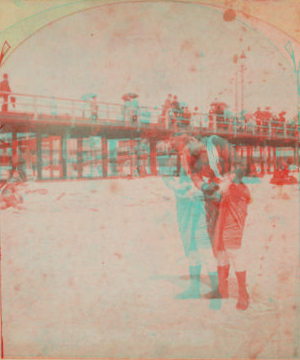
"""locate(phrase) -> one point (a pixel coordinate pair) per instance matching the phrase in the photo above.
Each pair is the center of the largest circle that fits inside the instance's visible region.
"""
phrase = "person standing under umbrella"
(87, 97)
(134, 110)
(127, 108)
(94, 108)
(166, 111)
(176, 110)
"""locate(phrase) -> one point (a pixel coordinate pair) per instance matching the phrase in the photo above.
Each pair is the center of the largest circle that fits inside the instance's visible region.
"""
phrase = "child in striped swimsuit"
(229, 234)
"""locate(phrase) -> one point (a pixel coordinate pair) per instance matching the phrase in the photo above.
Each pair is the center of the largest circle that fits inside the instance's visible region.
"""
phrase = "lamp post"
(236, 94)
(201, 81)
(289, 48)
(243, 68)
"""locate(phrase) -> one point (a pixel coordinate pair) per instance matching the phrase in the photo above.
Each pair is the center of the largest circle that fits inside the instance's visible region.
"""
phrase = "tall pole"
(298, 122)
(289, 48)
(242, 91)
(236, 93)
(201, 81)
(243, 68)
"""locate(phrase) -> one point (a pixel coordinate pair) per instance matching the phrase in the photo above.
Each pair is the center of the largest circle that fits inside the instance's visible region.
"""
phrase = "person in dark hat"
(94, 108)
(166, 111)
(175, 111)
(4, 92)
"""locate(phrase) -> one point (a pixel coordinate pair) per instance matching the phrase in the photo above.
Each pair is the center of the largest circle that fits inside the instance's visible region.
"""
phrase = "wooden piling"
(153, 157)
(39, 159)
(79, 158)
(104, 156)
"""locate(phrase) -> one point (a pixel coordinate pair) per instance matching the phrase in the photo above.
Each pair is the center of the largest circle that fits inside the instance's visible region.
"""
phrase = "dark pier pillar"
(138, 156)
(234, 157)
(261, 159)
(79, 158)
(104, 156)
(50, 139)
(296, 154)
(131, 157)
(269, 160)
(230, 157)
(249, 159)
(274, 159)
(39, 159)
(63, 156)
(178, 165)
(112, 148)
(153, 159)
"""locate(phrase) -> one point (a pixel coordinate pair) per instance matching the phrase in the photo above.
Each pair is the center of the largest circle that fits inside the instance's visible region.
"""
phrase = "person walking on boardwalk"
(166, 111)
(94, 108)
(4, 92)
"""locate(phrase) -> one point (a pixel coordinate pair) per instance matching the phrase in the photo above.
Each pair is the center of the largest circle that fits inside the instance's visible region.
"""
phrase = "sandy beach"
(91, 269)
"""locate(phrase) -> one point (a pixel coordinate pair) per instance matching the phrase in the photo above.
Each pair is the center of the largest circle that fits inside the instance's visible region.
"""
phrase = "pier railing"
(60, 110)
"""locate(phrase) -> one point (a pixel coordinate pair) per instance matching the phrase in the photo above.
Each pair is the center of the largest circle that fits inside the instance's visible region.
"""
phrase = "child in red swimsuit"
(229, 234)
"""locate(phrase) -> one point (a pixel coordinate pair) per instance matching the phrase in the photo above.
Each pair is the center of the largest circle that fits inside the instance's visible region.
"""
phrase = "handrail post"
(35, 108)
(284, 130)
(107, 111)
(73, 111)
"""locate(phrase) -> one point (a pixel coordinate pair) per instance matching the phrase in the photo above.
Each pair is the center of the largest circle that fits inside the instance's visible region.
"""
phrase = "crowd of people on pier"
(175, 114)
(221, 119)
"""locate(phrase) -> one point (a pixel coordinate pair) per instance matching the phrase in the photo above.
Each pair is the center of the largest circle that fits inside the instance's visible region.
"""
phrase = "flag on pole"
(4, 51)
(289, 48)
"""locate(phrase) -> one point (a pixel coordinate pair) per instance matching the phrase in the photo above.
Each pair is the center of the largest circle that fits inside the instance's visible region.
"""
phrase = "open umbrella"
(4, 144)
(222, 105)
(129, 96)
(88, 96)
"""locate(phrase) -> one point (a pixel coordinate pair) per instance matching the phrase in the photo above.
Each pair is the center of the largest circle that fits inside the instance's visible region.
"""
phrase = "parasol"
(88, 96)
(129, 96)
(4, 145)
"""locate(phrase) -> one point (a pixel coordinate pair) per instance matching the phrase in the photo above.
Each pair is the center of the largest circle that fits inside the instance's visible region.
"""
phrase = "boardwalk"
(37, 117)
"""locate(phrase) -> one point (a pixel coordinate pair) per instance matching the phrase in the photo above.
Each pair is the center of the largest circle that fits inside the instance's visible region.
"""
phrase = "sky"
(152, 49)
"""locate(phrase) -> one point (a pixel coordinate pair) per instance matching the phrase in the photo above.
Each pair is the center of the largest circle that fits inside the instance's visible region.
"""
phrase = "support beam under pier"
(104, 156)
(79, 158)
(39, 160)
(63, 156)
(153, 158)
